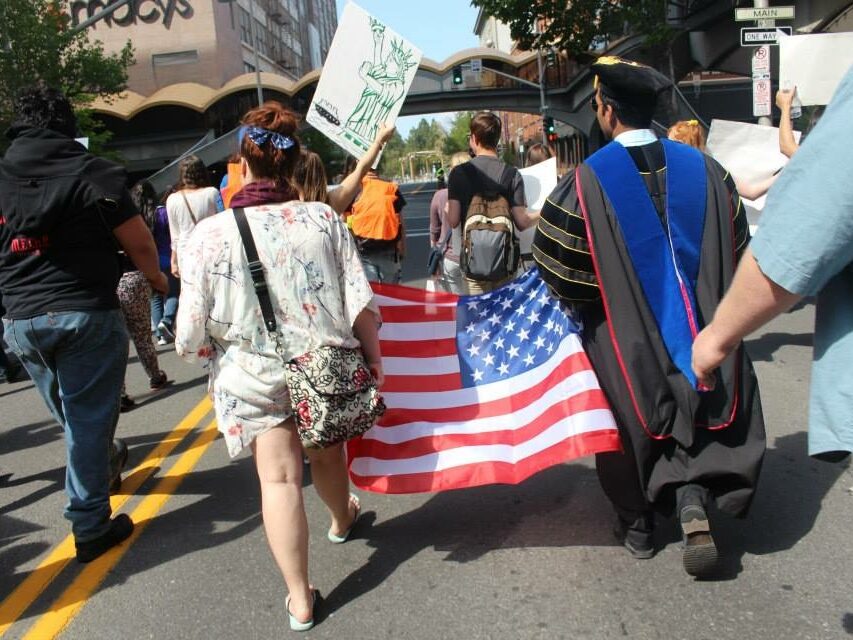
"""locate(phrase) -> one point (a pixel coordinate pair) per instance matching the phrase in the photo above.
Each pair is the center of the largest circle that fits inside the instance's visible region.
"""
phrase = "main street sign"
(766, 13)
(757, 36)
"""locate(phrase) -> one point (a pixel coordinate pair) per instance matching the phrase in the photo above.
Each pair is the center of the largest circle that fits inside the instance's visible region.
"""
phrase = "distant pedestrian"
(63, 210)
(193, 201)
(134, 295)
(377, 224)
(164, 308)
(490, 251)
(444, 239)
(314, 275)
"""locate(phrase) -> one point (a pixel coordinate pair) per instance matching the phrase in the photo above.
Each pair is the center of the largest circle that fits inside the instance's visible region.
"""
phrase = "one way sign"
(757, 36)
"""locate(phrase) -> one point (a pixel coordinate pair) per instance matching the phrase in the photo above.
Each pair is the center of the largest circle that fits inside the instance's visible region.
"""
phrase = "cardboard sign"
(364, 82)
(539, 181)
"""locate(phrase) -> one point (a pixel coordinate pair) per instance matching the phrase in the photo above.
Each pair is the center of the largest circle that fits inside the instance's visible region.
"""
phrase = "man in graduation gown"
(641, 242)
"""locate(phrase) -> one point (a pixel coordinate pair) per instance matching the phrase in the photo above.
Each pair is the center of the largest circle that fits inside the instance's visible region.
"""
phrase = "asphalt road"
(529, 561)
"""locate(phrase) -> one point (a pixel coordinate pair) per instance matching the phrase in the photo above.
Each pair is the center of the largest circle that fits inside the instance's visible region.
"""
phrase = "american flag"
(479, 390)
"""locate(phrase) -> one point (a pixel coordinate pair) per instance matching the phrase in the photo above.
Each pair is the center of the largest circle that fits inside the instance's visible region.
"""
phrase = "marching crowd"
(266, 281)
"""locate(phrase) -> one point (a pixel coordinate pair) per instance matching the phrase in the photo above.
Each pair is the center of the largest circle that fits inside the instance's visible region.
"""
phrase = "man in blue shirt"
(795, 255)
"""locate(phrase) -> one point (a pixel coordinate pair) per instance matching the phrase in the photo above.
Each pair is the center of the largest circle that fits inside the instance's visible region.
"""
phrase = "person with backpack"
(486, 197)
(377, 224)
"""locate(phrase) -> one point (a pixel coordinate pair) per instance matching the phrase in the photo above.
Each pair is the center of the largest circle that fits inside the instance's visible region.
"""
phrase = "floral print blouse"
(317, 287)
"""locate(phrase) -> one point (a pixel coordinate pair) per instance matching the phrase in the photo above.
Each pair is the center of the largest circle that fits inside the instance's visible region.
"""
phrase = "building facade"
(213, 41)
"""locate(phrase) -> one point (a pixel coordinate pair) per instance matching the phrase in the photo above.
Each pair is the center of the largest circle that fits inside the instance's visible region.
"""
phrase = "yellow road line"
(72, 600)
(39, 578)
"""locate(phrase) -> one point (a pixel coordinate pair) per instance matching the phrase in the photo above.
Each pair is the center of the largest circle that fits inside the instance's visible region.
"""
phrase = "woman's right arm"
(340, 198)
(366, 329)
(174, 233)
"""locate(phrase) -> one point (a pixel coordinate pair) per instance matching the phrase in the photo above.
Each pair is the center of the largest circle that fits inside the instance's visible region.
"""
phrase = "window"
(263, 38)
(175, 57)
(248, 68)
(245, 27)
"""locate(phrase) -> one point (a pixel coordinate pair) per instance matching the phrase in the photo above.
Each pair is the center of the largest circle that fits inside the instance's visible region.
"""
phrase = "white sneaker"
(162, 341)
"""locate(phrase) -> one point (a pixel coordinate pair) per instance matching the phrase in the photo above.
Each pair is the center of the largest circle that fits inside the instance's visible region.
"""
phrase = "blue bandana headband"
(259, 136)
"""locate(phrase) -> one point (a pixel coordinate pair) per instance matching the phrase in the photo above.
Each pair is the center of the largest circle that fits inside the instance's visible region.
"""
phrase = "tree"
(395, 148)
(579, 25)
(457, 137)
(426, 136)
(38, 45)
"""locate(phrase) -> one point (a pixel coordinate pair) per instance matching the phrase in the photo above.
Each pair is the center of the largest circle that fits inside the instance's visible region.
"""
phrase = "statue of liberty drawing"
(384, 80)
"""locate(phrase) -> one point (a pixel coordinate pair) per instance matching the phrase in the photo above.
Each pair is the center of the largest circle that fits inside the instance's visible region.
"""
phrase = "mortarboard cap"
(629, 82)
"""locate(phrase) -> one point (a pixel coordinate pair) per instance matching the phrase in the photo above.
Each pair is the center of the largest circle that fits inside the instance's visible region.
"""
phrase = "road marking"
(39, 578)
(73, 599)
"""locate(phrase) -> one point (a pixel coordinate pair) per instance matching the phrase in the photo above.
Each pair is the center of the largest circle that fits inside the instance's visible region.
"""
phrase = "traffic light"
(457, 74)
(548, 125)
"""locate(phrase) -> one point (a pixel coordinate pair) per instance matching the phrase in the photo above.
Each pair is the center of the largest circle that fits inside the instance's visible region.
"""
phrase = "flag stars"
(531, 295)
(506, 303)
(472, 305)
(494, 319)
(533, 316)
(483, 313)
(512, 351)
(539, 342)
(499, 343)
(520, 311)
(503, 369)
(548, 325)
(489, 360)
(549, 348)
(523, 335)
(544, 299)
(484, 335)
(529, 360)
(473, 350)
(510, 326)
(478, 375)
(470, 327)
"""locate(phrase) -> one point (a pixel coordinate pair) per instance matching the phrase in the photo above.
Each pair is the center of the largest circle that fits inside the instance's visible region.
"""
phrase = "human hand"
(708, 355)
(386, 132)
(376, 372)
(160, 283)
(784, 98)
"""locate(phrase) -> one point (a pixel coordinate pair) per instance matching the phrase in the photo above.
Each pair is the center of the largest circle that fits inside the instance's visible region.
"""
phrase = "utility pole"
(542, 105)
(763, 4)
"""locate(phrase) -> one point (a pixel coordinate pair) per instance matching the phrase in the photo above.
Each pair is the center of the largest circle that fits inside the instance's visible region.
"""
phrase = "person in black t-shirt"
(62, 210)
(485, 172)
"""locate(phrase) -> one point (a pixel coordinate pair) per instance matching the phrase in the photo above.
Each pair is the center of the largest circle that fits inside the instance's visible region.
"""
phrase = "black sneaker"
(159, 381)
(126, 404)
(15, 373)
(700, 557)
(120, 529)
(118, 460)
(639, 542)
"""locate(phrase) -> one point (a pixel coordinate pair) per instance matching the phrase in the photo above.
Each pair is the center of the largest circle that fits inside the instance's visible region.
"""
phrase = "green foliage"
(395, 148)
(457, 137)
(37, 45)
(332, 155)
(577, 26)
(427, 136)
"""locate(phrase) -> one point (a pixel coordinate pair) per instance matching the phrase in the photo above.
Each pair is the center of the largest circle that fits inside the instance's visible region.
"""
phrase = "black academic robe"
(672, 434)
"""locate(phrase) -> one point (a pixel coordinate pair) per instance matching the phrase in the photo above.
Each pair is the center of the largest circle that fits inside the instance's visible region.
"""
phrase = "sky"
(439, 28)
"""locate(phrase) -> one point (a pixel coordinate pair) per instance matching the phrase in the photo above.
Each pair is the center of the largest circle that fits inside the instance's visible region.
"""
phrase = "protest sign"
(815, 64)
(539, 181)
(364, 81)
(750, 152)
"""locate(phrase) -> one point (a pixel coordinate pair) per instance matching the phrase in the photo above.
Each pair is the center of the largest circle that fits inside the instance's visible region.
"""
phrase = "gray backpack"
(490, 250)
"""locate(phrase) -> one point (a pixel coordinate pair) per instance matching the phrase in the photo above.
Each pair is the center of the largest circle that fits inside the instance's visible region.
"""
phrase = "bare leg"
(278, 457)
(329, 473)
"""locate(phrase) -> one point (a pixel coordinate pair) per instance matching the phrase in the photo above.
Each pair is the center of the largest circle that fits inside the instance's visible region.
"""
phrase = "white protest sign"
(539, 181)
(364, 81)
(749, 151)
(815, 64)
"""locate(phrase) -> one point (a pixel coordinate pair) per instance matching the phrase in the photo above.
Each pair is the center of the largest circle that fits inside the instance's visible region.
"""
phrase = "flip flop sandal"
(343, 537)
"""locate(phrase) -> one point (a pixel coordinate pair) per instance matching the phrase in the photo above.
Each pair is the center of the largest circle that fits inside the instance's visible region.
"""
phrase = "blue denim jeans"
(165, 307)
(382, 266)
(77, 361)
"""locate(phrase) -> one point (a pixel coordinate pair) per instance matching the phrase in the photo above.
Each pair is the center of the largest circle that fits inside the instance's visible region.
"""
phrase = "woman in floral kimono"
(320, 298)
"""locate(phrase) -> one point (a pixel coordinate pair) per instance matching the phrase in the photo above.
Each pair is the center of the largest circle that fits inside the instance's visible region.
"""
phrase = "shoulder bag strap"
(189, 208)
(256, 270)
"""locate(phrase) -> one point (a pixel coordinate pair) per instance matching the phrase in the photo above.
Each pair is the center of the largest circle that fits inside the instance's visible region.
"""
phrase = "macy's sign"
(145, 11)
